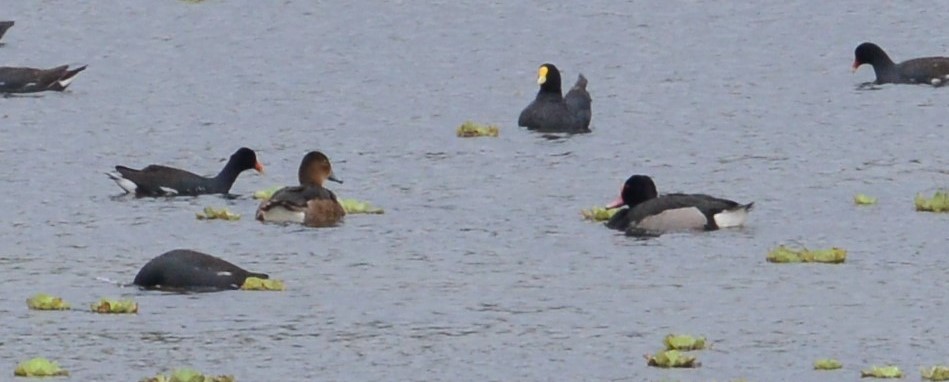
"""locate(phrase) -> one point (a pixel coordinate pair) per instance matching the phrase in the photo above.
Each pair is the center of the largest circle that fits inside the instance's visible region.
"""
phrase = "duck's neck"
(547, 94)
(229, 173)
(885, 69)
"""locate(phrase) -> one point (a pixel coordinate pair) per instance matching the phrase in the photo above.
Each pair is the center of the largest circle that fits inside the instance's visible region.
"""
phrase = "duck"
(551, 112)
(4, 25)
(32, 80)
(651, 214)
(189, 270)
(925, 70)
(157, 180)
(308, 203)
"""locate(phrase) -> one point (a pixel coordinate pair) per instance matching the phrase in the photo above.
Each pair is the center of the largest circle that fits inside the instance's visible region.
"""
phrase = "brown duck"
(309, 203)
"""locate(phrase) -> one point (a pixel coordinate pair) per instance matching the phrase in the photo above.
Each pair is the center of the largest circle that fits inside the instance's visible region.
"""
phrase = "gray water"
(481, 268)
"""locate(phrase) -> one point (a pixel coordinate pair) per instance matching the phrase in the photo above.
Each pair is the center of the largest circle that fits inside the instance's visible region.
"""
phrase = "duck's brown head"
(315, 169)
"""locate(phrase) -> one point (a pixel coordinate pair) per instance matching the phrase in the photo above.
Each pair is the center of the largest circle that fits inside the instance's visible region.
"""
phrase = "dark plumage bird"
(552, 112)
(31, 80)
(309, 203)
(157, 180)
(650, 214)
(4, 25)
(925, 70)
(184, 269)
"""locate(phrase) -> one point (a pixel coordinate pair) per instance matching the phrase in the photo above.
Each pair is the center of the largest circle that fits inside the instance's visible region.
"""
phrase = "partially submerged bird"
(926, 70)
(309, 203)
(158, 180)
(552, 112)
(31, 80)
(4, 25)
(187, 270)
(650, 214)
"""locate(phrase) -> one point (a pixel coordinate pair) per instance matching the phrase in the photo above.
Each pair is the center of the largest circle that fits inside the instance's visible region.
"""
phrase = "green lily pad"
(671, 358)
(353, 206)
(864, 200)
(115, 306)
(683, 342)
(471, 129)
(938, 203)
(211, 213)
(783, 254)
(39, 367)
(188, 375)
(266, 193)
(888, 371)
(254, 283)
(599, 214)
(43, 301)
(827, 364)
(936, 373)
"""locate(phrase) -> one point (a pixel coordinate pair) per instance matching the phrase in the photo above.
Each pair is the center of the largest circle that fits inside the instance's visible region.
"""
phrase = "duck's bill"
(542, 74)
(259, 167)
(853, 68)
(616, 203)
(334, 178)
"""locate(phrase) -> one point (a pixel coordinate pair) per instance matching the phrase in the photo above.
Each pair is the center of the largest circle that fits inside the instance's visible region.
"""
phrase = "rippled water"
(481, 268)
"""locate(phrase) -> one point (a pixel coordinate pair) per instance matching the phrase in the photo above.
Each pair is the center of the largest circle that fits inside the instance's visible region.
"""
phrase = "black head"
(548, 77)
(637, 189)
(315, 169)
(245, 159)
(868, 53)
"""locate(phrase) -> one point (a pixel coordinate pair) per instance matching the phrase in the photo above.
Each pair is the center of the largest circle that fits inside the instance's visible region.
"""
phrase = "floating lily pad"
(39, 367)
(43, 301)
(599, 214)
(683, 342)
(211, 213)
(353, 206)
(888, 371)
(266, 193)
(188, 375)
(254, 283)
(671, 358)
(472, 129)
(864, 200)
(115, 306)
(783, 254)
(938, 203)
(936, 373)
(827, 364)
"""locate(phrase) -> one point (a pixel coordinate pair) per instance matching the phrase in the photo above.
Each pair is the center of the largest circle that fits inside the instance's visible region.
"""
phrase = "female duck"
(650, 214)
(309, 203)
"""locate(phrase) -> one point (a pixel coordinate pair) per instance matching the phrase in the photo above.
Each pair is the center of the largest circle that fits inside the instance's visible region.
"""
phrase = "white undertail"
(127, 185)
(735, 217)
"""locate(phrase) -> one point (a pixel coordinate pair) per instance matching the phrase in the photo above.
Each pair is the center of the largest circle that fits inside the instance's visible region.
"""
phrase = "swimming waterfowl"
(158, 180)
(925, 70)
(552, 112)
(31, 80)
(651, 214)
(309, 203)
(4, 25)
(184, 269)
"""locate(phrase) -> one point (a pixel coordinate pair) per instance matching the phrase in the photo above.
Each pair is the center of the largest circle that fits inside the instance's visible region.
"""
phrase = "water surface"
(481, 268)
